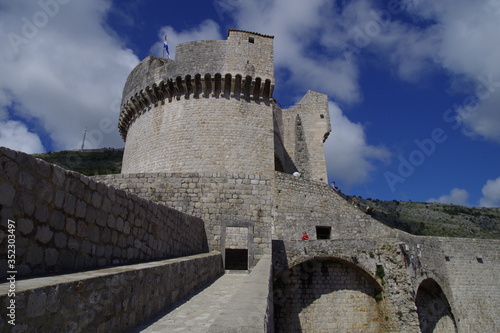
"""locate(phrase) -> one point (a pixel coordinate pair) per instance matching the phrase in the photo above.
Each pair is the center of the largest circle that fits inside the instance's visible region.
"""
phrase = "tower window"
(251, 40)
(321, 116)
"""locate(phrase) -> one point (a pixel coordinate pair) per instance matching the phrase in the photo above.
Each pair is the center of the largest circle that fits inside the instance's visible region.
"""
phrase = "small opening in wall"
(447, 258)
(322, 116)
(323, 232)
(251, 40)
(237, 259)
(479, 260)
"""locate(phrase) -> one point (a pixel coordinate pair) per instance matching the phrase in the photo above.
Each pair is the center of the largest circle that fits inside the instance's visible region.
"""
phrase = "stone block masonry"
(221, 200)
(113, 299)
(301, 205)
(68, 222)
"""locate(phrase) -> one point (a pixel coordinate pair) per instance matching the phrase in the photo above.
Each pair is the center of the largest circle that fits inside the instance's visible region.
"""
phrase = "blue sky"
(414, 85)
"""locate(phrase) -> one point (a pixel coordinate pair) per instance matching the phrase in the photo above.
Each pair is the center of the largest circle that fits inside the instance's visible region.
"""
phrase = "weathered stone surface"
(44, 234)
(25, 226)
(73, 218)
(36, 304)
(8, 193)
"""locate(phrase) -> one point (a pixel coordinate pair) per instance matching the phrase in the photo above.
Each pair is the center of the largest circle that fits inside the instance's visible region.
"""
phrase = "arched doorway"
(329, 295)
(434, 311)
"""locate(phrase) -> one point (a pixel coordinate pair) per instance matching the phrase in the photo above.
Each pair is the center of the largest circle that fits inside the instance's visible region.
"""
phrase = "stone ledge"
(105, 300)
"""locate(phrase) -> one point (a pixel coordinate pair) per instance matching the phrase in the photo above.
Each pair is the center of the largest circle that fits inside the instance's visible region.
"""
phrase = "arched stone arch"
(327, 294)
(433, 309)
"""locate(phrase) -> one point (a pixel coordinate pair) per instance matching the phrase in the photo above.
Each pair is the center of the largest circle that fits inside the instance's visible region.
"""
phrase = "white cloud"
(461, 37)
(63, 70)
(207, 30)
(15, 135)
(457, 196)
(491, 193)
(349, 157)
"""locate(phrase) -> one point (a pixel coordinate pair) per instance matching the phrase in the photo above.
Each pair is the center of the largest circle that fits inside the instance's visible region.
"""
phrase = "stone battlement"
(197, 86)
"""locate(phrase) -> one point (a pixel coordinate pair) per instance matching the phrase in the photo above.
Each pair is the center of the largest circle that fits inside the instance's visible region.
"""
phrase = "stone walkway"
(197, 313)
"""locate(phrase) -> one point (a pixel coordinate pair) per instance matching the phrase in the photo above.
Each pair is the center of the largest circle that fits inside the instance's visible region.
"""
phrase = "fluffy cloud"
(460, 37)
(491, 193)
(349, 157)
(457, 196)
(62, 70)
(15, 135)
(207, 30)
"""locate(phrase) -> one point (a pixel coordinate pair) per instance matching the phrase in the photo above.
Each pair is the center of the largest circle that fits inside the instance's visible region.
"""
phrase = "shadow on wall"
(327, 294)
(433, 308)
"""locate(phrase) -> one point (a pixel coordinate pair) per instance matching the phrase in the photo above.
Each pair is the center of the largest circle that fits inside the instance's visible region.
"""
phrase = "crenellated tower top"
(240, 67)
(212, 110)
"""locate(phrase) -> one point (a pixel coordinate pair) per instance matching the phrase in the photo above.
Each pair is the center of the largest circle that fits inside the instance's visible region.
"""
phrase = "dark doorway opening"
(237, 259)
(323, 232)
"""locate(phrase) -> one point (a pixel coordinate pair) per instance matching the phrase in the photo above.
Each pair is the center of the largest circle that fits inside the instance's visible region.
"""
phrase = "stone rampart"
(466, 270)
(302, 205)
(107, 300)
(449, 284)
(221, 200)
(65, 221)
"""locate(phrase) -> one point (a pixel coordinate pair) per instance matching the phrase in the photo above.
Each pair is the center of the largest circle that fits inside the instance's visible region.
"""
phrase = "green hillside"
(435, 219)
(87, 162)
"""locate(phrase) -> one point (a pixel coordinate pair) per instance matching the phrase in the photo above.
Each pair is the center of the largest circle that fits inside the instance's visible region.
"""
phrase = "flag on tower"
(165, 45)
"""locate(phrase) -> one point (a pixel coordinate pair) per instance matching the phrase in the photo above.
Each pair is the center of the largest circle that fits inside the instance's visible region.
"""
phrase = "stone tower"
(212, 110)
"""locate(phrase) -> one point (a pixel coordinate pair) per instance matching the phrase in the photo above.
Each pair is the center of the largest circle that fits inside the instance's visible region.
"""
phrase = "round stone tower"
(210, 110)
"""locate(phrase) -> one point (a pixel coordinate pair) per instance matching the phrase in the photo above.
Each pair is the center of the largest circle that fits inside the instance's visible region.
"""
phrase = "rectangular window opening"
(323, 232)
(237, 259)
(251, 40)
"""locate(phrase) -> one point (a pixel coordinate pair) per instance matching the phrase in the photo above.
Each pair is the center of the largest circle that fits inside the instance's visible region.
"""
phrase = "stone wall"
(372, 271)
(107, 300)
(65, 221)
(327, 296)
(304, 128)
(465, 270)
(300, 205)
(201, 135)
(221, 200)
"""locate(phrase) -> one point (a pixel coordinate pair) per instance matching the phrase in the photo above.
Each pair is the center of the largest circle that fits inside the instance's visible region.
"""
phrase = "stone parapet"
(107, 300)
(65, 221)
